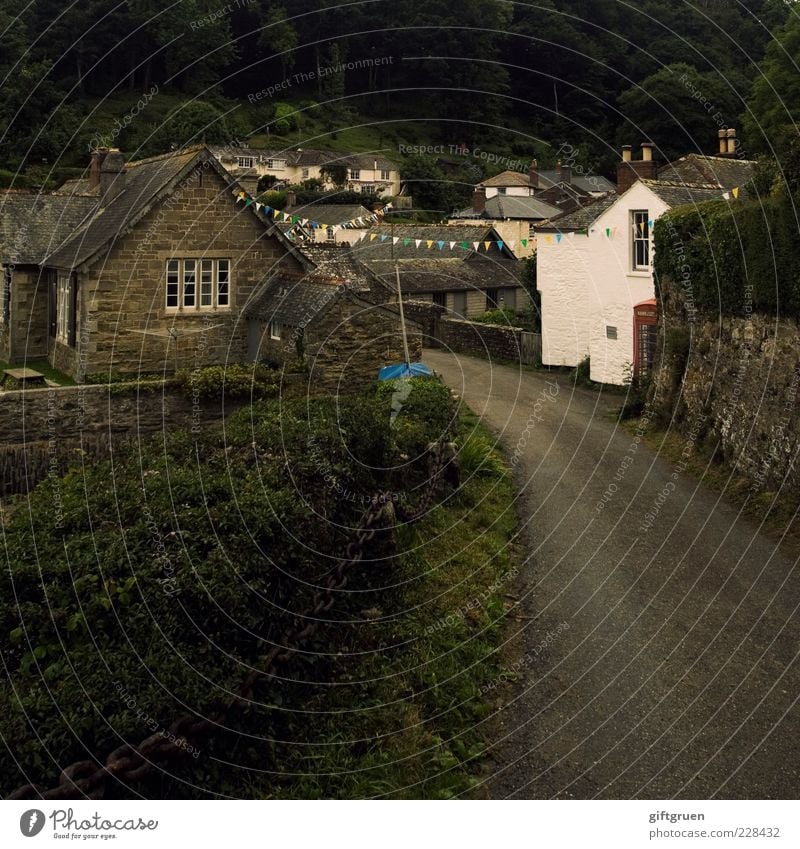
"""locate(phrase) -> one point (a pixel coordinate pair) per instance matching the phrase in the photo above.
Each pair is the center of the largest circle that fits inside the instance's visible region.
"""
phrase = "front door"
(460, 304)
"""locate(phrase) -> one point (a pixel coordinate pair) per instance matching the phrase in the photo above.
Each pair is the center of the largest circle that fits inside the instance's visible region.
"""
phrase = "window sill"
(638, 273)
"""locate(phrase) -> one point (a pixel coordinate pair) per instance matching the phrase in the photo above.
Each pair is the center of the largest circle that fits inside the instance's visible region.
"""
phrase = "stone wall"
(43, 430)
(494, 341)
(733, 383)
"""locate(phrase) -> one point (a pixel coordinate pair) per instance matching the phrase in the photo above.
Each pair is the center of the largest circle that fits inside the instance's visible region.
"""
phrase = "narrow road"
(657, 657)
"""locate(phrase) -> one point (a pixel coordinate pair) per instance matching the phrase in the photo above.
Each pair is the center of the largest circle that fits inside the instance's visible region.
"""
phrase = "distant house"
(370, 173)
(516, 202)
(149, 266)
(462, 275)
(594, 264)
(337, 319)
(330, 222)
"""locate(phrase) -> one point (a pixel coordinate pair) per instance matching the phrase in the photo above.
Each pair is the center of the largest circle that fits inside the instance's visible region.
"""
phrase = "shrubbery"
(717, 250)
(235, 380)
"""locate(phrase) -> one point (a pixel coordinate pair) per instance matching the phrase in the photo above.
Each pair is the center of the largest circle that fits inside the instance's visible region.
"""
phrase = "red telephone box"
(645, 334)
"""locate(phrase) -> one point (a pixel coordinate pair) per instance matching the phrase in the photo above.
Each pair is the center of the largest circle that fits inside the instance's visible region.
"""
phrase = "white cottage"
(594, 265)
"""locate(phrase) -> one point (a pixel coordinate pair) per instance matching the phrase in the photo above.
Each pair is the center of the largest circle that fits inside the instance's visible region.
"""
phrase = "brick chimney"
(629, 171)
(564, 173)
(533, 174)
(732, 142)
(479, 200)
(112, 176)
(95, 164)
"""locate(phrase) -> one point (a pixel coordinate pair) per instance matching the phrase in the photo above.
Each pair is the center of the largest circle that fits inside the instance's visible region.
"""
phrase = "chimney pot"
(723, 145)
(564, 173)
(647, 151)
(732, 143)
(627, 153)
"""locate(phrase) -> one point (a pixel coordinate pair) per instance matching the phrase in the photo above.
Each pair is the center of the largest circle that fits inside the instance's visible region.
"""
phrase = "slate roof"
(725, 172)
(329, 213)
(586, 182)
(33, 224)
(449, 275)
(368, 251)
(581, 218)
(146, 182)
(295, 303)
(507, 179)
(504, 207)
(677, 194)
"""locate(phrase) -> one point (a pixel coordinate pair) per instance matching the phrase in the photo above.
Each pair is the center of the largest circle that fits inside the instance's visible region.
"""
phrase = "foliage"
(731, 257)
(477, 455)
(335, 172)
(181, 587)
(505, 316)
(233, 380)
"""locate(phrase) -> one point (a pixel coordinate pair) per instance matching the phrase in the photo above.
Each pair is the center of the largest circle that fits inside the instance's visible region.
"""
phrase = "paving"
(657, 640)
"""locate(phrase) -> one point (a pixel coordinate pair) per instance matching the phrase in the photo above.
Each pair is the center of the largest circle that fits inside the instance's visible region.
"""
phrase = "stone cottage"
(337, 320)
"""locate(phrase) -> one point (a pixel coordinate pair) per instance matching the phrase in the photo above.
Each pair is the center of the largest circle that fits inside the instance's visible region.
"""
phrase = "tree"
(774, 103)
(678, 108)
(334, 172)
(192, 123)
(279, 37)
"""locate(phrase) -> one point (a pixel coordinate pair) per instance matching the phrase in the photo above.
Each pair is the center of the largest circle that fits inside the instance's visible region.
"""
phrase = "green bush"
(505, 316)
(251, 380)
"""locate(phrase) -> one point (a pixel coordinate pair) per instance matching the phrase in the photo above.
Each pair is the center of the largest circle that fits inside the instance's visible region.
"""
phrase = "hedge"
(717, 250)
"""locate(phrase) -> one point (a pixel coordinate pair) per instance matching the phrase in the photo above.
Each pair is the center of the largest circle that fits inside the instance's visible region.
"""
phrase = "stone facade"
(125, 292)
(733, 383)
(344, 346)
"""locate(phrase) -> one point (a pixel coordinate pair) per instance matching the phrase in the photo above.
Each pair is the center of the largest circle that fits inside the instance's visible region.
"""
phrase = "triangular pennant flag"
(726, 195)
(372, 237)
(487, 245)
(650, 224)
(406, 242)
(465, 246)
(549, 240)
(476, 245)
(614, 232)
(524, 243)
(258, 206)
(452, 245)
(512, 244)
(384, 237)
(429, 243)
(417, 242)
(735, 192)
(500, 246)
(558, 237)
(440, 243)
(395, 239)
(608, 232)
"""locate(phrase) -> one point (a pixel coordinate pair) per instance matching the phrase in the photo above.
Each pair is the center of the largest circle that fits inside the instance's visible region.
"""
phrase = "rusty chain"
(128, 763)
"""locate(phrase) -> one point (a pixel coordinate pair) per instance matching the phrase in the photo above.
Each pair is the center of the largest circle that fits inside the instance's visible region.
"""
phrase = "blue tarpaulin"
(404, 370)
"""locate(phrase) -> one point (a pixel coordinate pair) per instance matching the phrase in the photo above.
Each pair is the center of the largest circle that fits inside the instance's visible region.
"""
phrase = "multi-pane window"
(385, 175)
(64, 299)
(492, 299)
(198, 283)
(330, 234)
(355, 173)
(245, 161)
(305, 173)
(641, 240)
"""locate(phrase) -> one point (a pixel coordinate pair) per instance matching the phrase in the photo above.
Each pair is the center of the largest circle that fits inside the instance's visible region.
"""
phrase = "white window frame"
(355, 173)
(275, 330)
(245, 161)
(63, 296)
(640, 239)
(330, 233)
(386, 174)
(197, 284)
(306, 172)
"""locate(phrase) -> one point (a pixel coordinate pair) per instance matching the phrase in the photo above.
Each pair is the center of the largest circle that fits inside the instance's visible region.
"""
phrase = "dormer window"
(245, 161)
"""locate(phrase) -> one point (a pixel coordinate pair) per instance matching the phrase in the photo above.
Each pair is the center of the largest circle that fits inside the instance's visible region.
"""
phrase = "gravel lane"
(657, 649)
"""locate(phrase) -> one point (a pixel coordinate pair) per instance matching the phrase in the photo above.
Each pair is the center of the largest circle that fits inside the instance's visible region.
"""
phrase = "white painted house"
(594, 265)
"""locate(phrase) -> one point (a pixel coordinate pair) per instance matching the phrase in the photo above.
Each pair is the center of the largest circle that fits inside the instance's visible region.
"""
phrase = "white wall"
(587, 284)
(511, 191)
